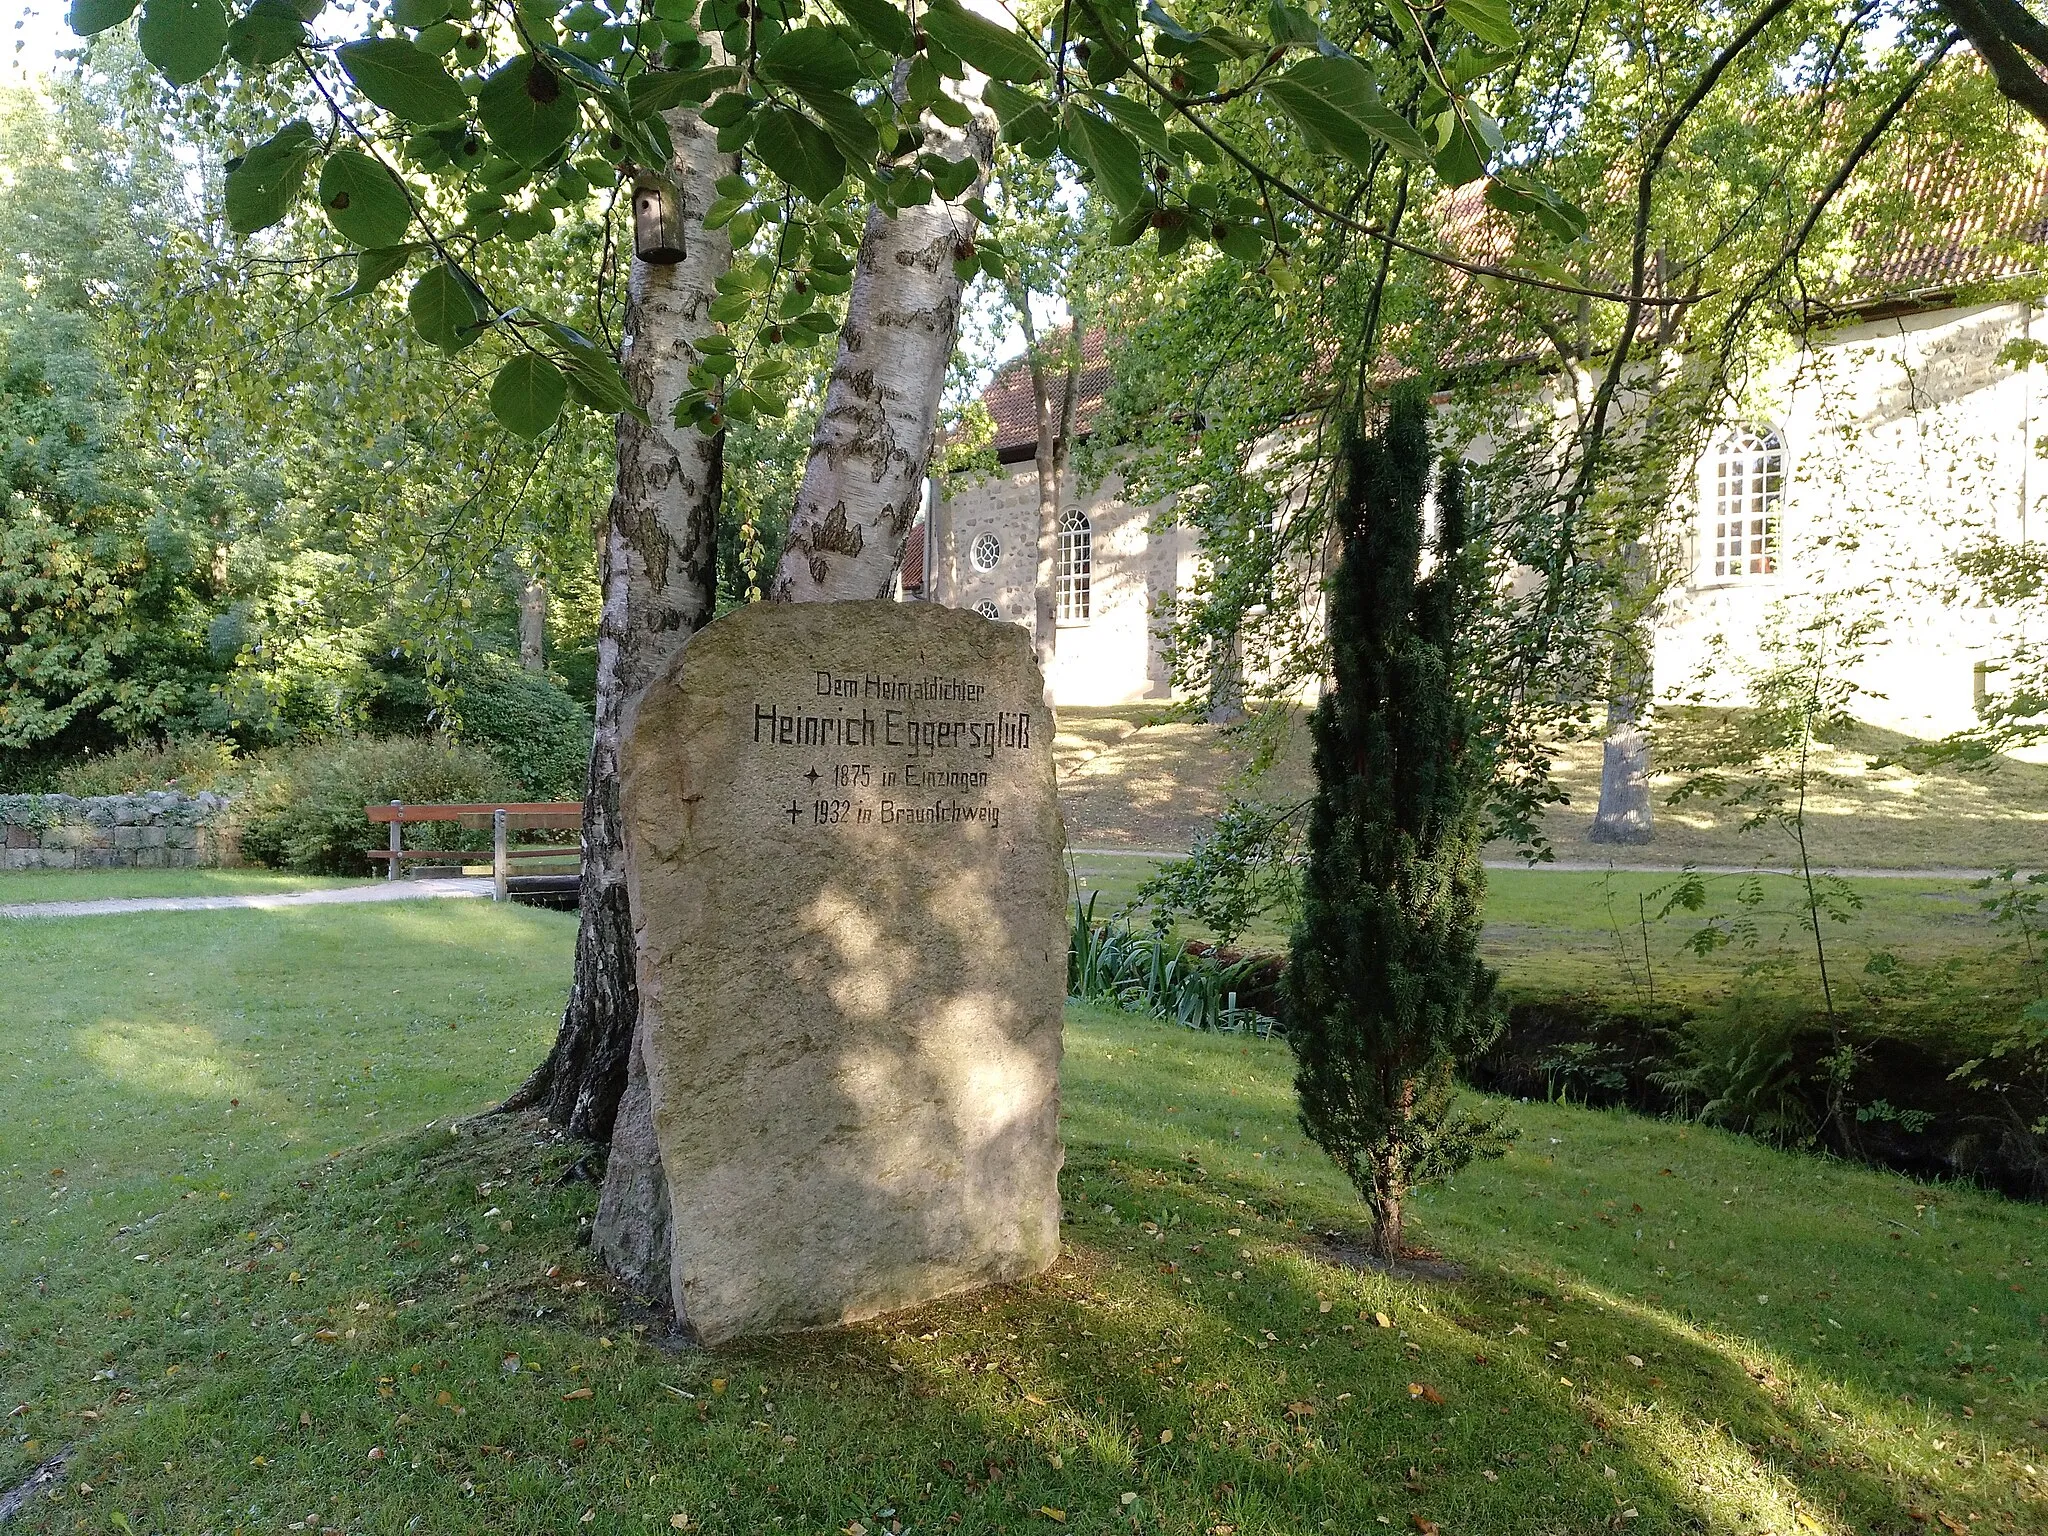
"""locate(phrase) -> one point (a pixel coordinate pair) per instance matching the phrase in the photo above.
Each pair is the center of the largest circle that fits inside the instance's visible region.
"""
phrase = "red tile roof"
(1009, 399)
(1957, 243)
(913, 560)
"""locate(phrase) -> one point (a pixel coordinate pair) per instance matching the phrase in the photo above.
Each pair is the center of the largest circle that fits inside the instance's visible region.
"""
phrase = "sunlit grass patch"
(385, 1326)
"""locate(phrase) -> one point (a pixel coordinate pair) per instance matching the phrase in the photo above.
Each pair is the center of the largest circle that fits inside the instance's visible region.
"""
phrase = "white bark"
(659, 570)
(866, 471)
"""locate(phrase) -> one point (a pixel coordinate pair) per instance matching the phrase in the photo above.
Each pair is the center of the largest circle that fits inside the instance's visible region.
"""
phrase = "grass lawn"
(25, 885)
(1563, 931)
(255, 1284)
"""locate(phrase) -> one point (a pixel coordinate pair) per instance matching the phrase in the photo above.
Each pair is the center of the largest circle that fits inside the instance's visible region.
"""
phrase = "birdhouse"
(657, 221)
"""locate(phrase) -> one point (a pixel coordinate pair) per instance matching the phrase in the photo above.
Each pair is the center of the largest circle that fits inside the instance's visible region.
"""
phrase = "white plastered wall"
(1905, 440)
(1116, 656)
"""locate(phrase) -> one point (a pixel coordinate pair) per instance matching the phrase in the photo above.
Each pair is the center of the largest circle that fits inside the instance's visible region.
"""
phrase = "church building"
(1901, 430)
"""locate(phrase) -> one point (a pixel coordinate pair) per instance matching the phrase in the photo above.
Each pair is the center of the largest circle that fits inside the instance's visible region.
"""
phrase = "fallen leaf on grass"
(1381, 1319)
(1952, 1525)
(1058, 1516)
(576, 1396)
(1426, 1526)
(680, 1520)
(1166, 1437)
(1301, 1410)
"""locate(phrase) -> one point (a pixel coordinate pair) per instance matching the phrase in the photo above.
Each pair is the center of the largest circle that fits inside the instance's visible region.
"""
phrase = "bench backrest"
(531, 815)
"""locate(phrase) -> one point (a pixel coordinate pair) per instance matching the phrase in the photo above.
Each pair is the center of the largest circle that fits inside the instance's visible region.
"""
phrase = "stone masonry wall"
(158, 829)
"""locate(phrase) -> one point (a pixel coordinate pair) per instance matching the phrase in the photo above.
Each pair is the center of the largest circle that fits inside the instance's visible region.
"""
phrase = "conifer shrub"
(1385, 986)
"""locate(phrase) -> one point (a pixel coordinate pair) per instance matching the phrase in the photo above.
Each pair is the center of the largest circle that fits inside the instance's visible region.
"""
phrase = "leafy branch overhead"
(455, 123)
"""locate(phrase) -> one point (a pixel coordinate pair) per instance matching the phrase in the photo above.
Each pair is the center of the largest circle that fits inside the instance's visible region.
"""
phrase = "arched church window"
(1077, 560)
(1749, 489)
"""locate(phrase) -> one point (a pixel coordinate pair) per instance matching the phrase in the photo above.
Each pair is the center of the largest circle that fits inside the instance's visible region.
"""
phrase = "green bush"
(533, 728)
(191, 764)
(304, 808)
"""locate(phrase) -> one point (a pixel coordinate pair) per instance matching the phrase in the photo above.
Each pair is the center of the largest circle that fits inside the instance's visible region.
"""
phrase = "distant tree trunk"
(533, 625)
(658, 571)
(862, 487)
(1226, 685)
(1626, 816)
(1053, 414)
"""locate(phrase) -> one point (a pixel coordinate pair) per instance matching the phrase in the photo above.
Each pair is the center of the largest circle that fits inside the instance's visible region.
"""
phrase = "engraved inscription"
(927, 746)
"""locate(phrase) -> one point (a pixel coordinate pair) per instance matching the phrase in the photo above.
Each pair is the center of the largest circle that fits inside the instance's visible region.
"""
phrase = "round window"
(988, 549)
(987, 610)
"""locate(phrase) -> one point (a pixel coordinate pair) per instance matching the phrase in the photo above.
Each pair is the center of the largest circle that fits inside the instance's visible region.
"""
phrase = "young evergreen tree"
(1385, 979)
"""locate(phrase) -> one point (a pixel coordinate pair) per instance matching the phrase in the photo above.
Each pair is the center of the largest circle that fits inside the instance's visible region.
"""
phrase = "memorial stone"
(844, 850)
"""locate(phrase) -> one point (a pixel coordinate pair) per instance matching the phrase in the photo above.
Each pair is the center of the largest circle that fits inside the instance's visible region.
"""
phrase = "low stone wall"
(158, 829)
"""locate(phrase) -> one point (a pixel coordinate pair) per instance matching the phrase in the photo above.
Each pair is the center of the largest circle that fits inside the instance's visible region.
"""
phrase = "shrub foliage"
(1385, 984)
(304, 807)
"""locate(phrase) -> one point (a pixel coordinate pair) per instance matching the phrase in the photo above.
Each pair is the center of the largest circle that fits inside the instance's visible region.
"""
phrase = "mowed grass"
(34, 885)
(314, 1309)
(1606, 935)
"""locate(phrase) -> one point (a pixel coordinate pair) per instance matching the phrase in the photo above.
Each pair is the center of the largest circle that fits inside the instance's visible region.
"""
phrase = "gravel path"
(383, 890)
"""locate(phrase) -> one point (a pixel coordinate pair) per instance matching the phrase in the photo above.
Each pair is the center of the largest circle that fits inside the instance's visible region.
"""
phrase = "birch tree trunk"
(658, 571)
(865, 477)
(1626, 815)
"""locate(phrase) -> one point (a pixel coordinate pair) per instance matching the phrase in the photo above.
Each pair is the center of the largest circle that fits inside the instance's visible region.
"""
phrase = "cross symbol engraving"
(814, 776)
(793, 813)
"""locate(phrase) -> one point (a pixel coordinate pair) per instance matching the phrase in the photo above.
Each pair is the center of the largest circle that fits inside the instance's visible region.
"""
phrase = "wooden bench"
(527, 816)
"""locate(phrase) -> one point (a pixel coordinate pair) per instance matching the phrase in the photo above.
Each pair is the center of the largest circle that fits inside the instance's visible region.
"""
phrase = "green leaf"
(1110, 153)
(1463, 157)
(1335, 102)
(1291, 26)
(951, 177)
(812, 59)
(1560, 218)
(1240, 242)
(996, 51)
(373, 267)
(184, 39)
(882, 24)
(1139, 119)
(444, 309)
(402, 80)
(659, 90)
(363, 200)
(848, 124)
(264, 183)
(594, 375)
(728, 109)
(418, 13)
(799, 151)
(527, 395)
(528, 109)
(1488, 20)
(92, 16)
(266, 33)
